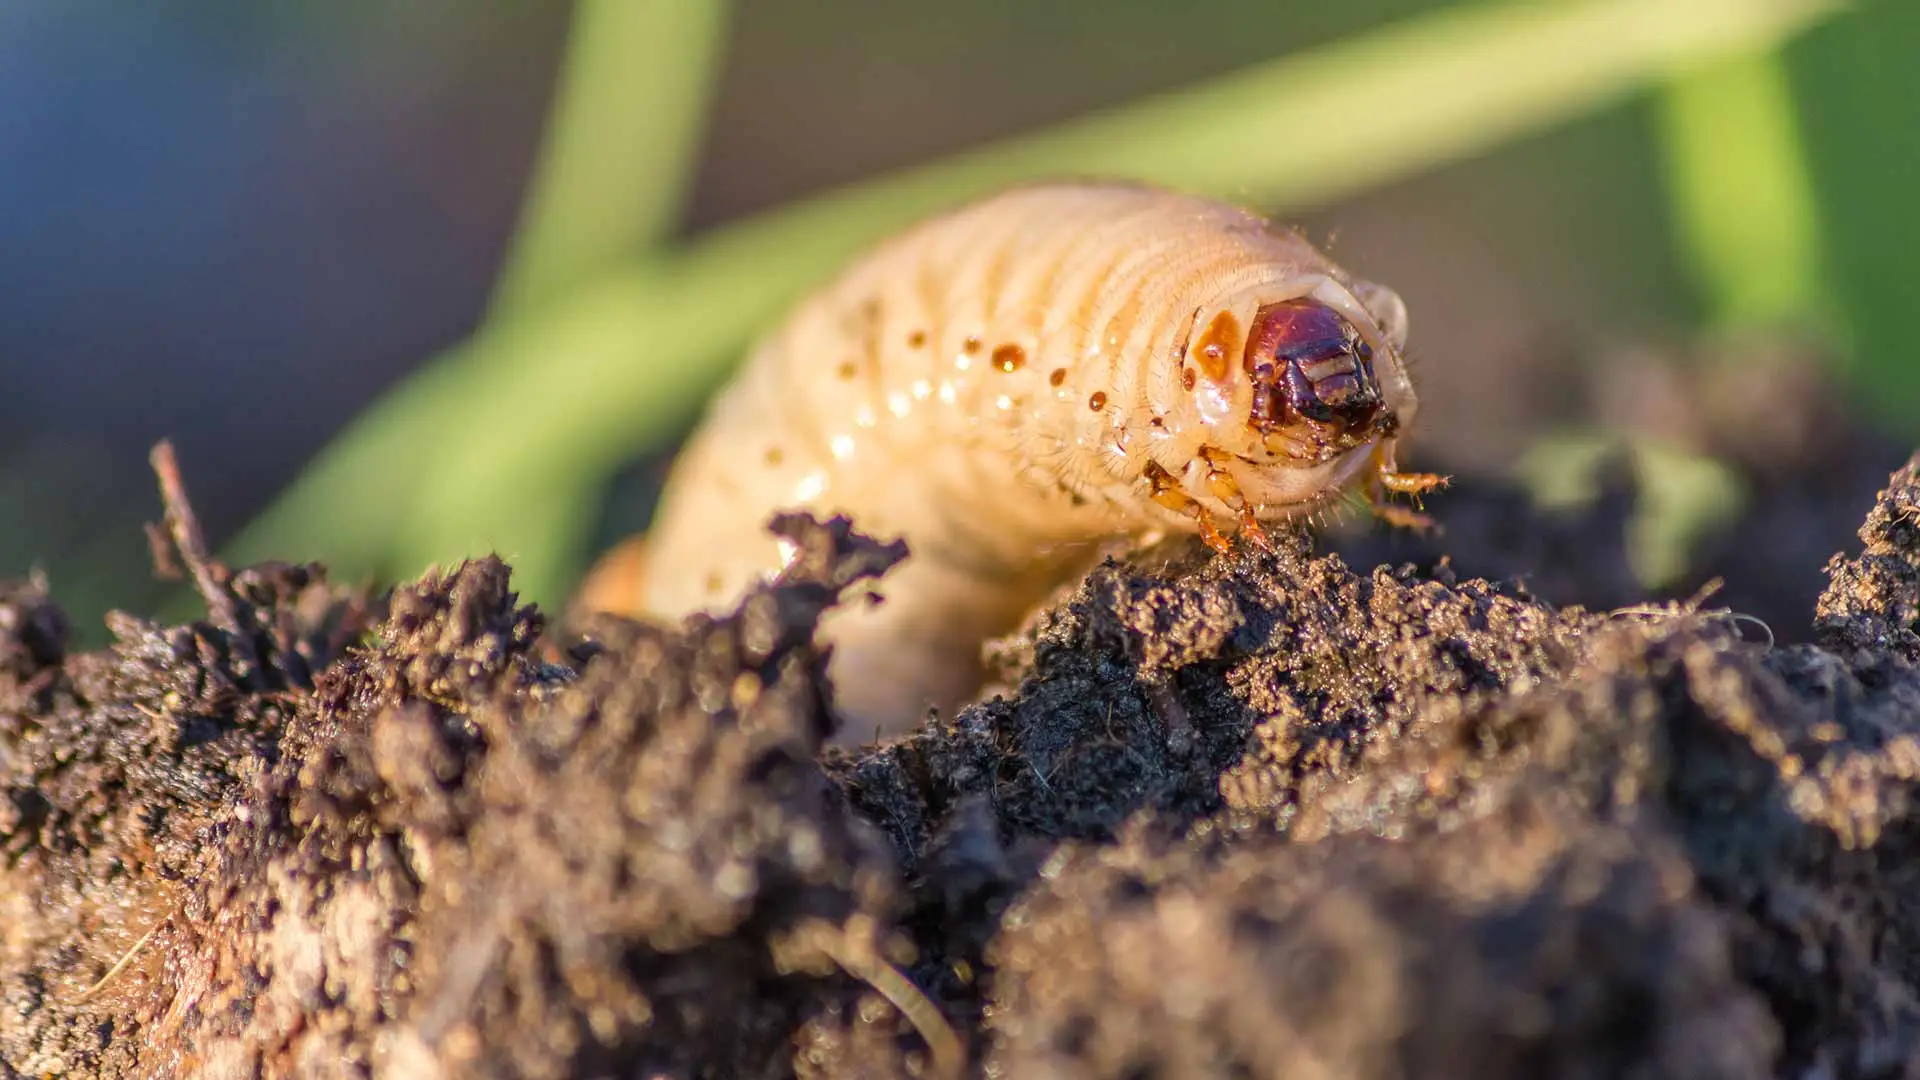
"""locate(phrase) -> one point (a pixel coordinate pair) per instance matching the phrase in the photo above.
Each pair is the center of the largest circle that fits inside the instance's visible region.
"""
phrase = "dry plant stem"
(208, 579)
(160, 550)
(121, 964)
(858, 959)
(1681, 611)
(1742, 618)
(1695, 606)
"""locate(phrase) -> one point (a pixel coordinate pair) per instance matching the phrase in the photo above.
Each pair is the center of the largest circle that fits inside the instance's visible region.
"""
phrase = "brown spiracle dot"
(1009, 358)
(916, 339)
(1216, 342)
(848, 369)
(971, 346)
(1059, 376)
(1098, 401)
(775, 456)
(1186, 378)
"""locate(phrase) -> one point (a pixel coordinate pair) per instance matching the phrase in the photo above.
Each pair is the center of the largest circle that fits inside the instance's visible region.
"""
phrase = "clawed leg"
(1251, 529)
(1209, 532)
(1412, 483)
(1168, 493)
(1222, 484)
(1400, 516)
(1386, 480)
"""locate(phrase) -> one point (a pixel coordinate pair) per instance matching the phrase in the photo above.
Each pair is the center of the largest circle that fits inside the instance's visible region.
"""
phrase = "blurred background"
(241, 226)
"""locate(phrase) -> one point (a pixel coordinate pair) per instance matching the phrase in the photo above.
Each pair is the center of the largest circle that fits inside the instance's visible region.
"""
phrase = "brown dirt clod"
(1284, 813)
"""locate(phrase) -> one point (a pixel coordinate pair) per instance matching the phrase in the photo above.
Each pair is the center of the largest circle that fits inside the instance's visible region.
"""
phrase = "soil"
(1387, 811)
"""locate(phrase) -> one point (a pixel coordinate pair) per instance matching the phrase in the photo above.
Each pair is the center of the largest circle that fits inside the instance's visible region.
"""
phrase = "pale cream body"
(886, 397)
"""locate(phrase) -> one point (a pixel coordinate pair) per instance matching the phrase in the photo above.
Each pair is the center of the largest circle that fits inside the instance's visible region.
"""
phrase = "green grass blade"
(1744, 211)
(609, 372)
(1859, 89)
(622, 142)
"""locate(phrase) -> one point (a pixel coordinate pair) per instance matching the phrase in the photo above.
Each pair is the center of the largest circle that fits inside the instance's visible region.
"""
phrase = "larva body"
(1008, 384)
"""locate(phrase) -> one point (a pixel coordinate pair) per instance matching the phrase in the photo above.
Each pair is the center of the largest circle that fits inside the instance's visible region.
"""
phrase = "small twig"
(160, 549)
(1040, 776)
(860, 961)
(1691, 608)
(1652, 611)
(1742, 617)
(1712, 587)
(192, 544)
(120, 965)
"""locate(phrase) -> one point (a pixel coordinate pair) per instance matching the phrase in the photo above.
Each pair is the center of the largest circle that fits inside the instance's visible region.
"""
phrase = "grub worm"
(1010, 383)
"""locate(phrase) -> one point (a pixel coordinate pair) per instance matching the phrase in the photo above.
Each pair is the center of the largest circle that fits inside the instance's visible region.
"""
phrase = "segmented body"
(1008, 384)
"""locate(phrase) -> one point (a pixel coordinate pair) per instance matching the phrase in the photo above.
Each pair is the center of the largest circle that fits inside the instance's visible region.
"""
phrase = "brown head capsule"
(1312, 368)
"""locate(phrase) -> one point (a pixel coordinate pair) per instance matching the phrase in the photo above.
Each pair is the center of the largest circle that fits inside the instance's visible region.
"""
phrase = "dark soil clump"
(1286, 813)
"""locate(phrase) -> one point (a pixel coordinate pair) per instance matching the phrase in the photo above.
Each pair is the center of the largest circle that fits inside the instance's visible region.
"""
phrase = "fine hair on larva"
(1011, 383)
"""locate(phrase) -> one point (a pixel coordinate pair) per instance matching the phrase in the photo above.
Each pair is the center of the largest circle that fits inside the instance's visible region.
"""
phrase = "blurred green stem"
(440, 465)
(621, 145)
(1743, 204)
(1857, 86)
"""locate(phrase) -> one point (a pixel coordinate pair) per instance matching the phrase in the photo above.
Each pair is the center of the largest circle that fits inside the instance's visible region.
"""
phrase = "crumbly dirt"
(1290, 813)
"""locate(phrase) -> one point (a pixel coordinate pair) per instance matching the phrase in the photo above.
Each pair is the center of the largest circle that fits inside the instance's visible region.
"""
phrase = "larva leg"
(1418, 483)
(1400, 516)
(1209, 532)
(1250, 527)
(1168, 494)
(1224, 489)
(1385, 478)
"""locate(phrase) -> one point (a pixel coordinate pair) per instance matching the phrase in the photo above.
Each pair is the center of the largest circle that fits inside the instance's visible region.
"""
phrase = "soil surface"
(1379, 813)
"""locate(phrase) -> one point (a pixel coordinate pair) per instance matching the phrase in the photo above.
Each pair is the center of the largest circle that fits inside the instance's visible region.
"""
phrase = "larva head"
(1313, 379)
(1298, 383)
